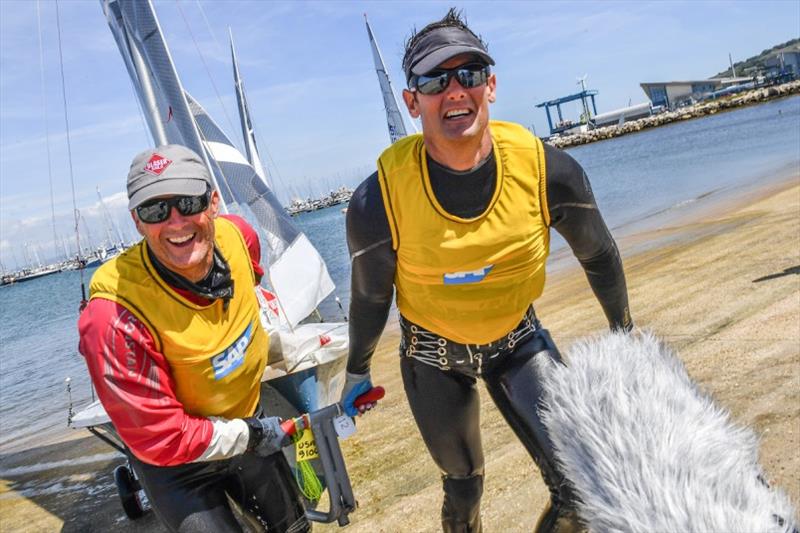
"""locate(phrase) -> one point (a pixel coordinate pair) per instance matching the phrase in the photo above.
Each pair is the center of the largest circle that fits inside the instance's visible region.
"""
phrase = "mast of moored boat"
(394, 119)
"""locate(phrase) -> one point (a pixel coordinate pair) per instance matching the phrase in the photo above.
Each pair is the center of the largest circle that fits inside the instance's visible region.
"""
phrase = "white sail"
(394, 120)
(296, 271)
(248, 132)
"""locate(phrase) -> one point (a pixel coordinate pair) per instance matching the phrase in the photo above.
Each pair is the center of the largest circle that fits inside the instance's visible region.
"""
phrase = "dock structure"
(563, 125)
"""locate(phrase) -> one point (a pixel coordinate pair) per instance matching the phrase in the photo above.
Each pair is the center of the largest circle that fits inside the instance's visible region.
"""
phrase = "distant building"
(622, 115)
(672, 94)
(784, 61)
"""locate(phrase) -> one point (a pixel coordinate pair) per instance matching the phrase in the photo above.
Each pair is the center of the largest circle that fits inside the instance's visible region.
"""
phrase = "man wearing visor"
(457, 220)
(174, 345)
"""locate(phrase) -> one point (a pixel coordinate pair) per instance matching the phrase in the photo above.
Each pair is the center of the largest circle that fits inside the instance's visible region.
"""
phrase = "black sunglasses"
(158, 210)
(469, 76)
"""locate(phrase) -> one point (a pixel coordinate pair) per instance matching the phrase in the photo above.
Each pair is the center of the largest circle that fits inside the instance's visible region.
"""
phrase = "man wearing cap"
(457, 220)
(175, 349)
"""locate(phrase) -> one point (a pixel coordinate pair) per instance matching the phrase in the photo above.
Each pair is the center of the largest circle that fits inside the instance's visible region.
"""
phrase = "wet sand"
(721, 284)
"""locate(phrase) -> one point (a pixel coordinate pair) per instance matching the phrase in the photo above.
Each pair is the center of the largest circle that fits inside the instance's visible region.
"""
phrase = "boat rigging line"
(263, 146)
(46, 128)
(205, 65)
(75, 214)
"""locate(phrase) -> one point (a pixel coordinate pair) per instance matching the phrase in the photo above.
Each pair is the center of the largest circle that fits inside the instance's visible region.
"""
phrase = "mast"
(394, 120)
(248, 132)
(141, 42)
(46, 127)
(110, 222)
(89, 242)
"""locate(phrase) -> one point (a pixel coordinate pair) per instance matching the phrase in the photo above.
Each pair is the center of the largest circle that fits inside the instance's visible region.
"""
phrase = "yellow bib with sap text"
(468, 280)
(216, 356)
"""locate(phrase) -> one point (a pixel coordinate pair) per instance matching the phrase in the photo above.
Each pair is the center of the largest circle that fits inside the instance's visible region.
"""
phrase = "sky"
(311, 85)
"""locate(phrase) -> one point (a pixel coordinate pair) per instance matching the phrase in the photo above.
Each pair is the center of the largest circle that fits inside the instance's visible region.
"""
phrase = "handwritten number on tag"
(344, 426)
(306, 447)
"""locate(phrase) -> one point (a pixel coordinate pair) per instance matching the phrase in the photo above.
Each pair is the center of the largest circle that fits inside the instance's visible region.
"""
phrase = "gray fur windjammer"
(647, 450)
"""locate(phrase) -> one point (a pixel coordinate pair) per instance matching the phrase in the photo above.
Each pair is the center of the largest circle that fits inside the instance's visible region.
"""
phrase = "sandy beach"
(719, 282)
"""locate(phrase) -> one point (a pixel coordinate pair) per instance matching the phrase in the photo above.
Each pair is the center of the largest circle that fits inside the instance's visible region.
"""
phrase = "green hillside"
(752, 65)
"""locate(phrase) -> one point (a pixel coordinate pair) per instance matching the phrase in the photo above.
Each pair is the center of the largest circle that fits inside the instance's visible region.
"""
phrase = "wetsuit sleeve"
(251, 240)
(372, 272)
(574, 214)
(134, 384)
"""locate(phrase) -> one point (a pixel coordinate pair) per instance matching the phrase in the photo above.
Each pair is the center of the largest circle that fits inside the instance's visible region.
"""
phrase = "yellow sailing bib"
(469, 280)
(216, 356)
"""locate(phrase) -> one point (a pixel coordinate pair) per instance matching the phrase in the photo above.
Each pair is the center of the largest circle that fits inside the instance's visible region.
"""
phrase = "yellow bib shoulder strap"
(470, 281)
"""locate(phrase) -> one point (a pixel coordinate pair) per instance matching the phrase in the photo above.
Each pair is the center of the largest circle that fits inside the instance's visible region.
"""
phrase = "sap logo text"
(233, 356)
(469, 276)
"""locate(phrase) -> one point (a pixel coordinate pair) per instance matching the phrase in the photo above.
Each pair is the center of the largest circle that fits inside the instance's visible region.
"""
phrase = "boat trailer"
(322, 423)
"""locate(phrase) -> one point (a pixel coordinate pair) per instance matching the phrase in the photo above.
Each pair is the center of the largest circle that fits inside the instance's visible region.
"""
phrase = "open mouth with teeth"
(455, 114)
(181, 241)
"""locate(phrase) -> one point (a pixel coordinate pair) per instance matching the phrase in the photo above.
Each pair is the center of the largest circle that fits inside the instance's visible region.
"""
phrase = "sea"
(635, 179)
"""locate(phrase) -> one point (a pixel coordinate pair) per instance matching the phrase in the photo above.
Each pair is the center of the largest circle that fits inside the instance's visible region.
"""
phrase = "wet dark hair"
(453, 19)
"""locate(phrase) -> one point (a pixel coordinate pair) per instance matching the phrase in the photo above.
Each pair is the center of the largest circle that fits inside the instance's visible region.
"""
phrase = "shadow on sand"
(786, 272)
(68, 486)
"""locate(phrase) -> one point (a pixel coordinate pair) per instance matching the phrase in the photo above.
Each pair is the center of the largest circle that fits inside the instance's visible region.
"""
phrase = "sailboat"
(306, 360)
(113, 246)
(394, 119)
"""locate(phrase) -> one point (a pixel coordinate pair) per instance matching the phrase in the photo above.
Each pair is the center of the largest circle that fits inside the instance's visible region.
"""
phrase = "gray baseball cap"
(439, 45)
(167, 170)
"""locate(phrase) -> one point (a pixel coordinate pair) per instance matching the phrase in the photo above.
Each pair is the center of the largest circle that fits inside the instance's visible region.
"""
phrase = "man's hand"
(354, 386)
(266, 435)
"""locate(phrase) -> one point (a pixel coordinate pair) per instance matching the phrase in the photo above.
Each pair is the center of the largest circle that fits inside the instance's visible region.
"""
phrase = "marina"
(86, 260)
(339, 196)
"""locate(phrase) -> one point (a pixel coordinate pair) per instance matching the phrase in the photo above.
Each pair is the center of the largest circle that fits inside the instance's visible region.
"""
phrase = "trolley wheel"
(128, 489)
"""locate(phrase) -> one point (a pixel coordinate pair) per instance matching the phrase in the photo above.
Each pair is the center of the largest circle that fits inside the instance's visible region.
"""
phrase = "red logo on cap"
(157, 165)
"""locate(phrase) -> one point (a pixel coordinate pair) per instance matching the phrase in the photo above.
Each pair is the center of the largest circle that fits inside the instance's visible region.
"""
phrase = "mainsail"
(394, 120)
(296, 271)
(248, 132)
(156, 83)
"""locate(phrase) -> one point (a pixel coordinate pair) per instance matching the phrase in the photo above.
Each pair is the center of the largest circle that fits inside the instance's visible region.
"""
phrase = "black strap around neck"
(215, 285)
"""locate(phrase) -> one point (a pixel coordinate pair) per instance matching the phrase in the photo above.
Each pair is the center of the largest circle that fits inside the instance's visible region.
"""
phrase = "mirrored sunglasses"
(469, 76)
(157, 211)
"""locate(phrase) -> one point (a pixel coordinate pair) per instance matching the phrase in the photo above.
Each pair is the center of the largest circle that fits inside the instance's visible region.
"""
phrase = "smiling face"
(455, 119)
(183, 244)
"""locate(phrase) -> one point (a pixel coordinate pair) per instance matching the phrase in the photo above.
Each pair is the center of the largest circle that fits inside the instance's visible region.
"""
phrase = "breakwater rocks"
(701, 109)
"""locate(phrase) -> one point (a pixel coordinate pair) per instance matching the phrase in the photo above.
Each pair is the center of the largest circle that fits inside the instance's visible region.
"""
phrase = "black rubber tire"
(128, 490)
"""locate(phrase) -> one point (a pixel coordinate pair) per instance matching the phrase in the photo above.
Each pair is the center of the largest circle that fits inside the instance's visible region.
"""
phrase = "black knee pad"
(462, 497)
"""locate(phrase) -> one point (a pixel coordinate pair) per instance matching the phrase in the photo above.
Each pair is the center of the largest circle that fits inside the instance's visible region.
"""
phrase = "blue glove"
(354, 386)
(266, 435)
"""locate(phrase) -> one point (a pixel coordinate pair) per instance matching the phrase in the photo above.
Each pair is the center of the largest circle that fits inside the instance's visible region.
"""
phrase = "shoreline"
(698, 110)
(717, 281)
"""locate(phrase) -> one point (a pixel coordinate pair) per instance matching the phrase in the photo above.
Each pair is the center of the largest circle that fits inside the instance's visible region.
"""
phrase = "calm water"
(633, 177)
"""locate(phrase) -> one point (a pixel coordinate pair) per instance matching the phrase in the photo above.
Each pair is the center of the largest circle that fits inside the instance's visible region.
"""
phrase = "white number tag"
(344, 426)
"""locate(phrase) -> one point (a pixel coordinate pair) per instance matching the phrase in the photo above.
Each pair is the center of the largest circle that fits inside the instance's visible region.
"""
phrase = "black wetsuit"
(193, 497)
(445, 402)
